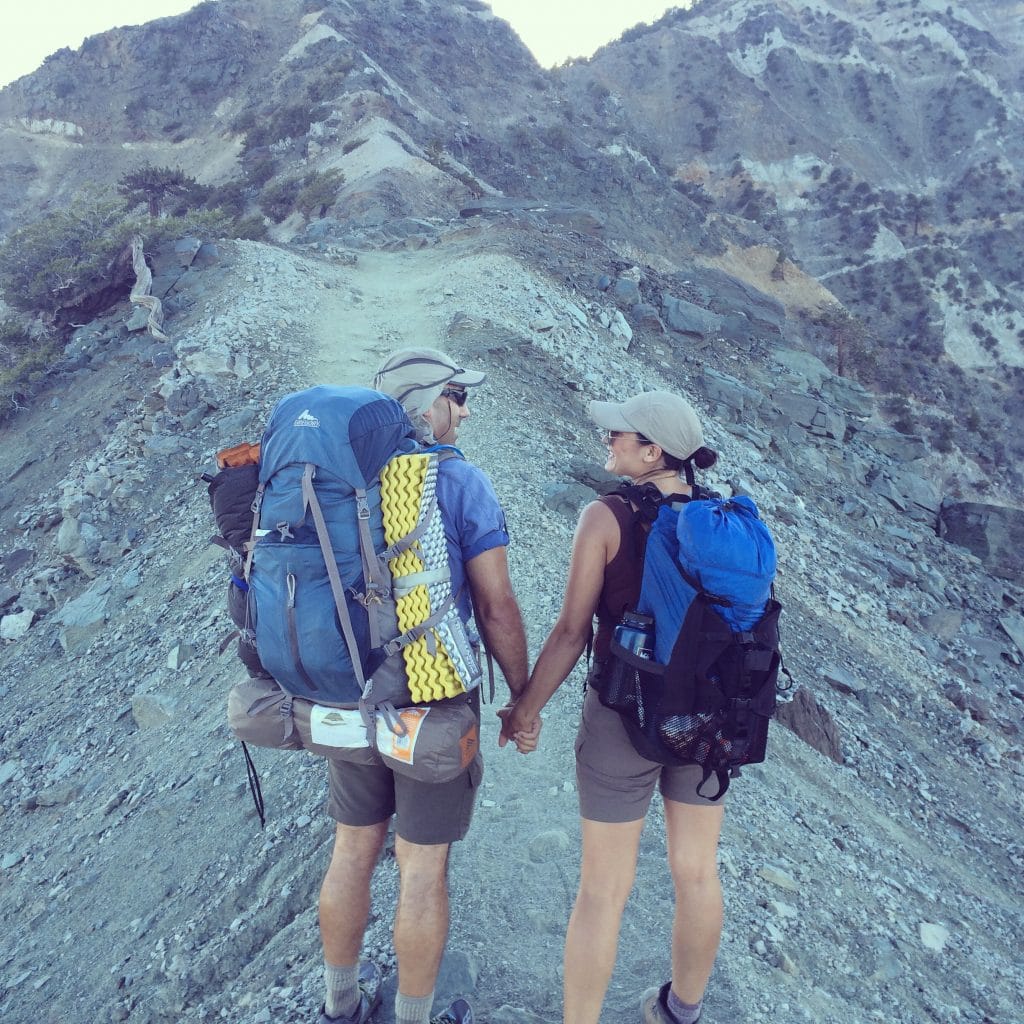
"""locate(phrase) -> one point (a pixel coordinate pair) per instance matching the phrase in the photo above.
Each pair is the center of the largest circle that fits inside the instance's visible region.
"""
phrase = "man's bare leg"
(345, 910)
(421, 921)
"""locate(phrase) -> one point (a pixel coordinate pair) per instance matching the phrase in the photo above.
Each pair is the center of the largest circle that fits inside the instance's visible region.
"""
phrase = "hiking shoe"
(460, 1012)
(654, 1006)
(369, 997)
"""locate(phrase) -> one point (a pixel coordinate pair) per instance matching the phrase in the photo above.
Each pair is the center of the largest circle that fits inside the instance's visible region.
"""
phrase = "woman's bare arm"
(594, 545)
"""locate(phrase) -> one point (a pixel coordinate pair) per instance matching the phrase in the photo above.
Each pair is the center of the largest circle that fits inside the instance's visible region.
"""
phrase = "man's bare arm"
(498, 617)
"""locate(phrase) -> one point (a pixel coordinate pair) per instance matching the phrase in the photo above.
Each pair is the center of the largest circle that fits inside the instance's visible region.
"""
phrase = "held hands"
(525, 734)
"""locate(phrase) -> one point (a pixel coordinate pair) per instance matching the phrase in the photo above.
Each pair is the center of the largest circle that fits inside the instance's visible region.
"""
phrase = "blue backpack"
(703, 688)
(326, 591)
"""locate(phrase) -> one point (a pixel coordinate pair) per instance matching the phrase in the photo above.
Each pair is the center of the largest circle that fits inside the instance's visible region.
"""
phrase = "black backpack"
(232, 494)
(708, 699)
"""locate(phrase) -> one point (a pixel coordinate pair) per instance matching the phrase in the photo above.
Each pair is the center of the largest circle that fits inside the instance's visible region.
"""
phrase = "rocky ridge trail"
(885, 888)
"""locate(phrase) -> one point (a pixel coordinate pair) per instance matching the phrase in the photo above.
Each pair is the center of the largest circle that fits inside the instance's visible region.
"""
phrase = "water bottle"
(636, 633)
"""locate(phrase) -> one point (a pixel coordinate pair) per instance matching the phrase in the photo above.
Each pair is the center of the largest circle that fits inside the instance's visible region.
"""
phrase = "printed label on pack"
(333, 727)
(392, 744)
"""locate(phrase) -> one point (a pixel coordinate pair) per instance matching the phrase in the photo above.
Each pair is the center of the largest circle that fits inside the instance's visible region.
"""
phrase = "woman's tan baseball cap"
(660, 416)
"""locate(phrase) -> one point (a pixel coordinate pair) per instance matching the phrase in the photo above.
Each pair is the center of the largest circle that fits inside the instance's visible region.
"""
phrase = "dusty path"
(387, 301)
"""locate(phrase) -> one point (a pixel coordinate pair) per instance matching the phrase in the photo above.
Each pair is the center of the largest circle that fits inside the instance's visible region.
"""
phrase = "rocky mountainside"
(860, 166)
(880, 145)
(872, 866)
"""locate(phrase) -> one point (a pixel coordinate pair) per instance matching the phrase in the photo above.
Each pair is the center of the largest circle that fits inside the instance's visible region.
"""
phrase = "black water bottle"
(636, 633)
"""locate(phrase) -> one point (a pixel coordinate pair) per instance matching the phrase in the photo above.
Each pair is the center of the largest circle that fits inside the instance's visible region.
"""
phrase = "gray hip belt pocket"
(261, 713)
(430, 743)
(433, 743)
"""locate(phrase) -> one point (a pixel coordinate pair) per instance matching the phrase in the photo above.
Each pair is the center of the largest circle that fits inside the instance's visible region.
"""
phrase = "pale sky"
(31, 30)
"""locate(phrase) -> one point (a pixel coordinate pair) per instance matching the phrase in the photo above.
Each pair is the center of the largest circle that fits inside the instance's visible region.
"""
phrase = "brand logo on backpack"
(306, 419)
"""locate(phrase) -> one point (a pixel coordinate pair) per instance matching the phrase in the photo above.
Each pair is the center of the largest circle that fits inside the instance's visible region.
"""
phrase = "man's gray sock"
(413, 1009)
(684, 1013)
(342, 984)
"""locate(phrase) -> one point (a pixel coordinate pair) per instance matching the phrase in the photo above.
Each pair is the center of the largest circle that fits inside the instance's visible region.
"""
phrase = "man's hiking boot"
(369, 997)
(654, 1006)
(460, 1012)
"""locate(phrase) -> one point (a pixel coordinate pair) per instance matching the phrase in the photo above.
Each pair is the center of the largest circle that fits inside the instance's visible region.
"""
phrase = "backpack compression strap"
(250, 544)
(311, 503)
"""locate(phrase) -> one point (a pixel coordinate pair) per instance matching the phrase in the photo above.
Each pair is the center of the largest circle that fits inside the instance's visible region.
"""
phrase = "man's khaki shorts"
(615, 782)
(425, 813)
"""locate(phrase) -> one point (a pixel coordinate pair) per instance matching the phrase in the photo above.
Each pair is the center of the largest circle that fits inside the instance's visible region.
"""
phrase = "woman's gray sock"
(684, 1013)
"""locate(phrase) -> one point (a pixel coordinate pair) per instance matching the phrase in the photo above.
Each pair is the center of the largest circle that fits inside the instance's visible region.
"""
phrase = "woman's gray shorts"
(615, 783)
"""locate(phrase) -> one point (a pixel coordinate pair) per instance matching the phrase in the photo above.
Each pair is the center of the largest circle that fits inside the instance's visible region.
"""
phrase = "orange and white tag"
(394, 745)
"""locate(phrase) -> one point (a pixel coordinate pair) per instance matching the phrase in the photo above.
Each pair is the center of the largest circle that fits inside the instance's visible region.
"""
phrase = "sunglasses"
(607, 436)
(459, 397)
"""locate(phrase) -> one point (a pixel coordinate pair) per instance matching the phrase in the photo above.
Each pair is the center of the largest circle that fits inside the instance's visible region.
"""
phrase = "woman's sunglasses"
(607, 436)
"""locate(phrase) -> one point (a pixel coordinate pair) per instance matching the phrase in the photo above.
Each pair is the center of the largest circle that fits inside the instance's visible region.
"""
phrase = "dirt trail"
(389, 300)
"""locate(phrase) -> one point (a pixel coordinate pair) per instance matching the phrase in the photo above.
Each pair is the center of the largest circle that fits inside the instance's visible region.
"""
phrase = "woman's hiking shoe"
(460, 1012)
(369, 997)
(654, 1006)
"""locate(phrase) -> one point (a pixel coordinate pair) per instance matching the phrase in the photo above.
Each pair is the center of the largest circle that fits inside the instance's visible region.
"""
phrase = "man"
(433, 389)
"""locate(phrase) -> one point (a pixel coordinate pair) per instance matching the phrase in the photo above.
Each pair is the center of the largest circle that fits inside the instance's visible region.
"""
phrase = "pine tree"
(154, 185)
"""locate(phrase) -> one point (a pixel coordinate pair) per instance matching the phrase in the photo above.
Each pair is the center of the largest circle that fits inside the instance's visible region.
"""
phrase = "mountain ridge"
(531, 223)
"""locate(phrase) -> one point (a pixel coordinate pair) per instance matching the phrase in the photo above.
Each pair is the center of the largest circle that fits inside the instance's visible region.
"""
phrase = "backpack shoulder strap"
(444, 452)
(620, 506)
(312, 503)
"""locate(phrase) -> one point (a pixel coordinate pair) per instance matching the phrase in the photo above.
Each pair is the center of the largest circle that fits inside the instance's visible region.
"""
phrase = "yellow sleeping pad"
(420, 578)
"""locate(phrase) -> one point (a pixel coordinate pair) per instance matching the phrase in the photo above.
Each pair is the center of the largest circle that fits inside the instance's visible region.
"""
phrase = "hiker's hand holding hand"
(526, 740)
(524, 735)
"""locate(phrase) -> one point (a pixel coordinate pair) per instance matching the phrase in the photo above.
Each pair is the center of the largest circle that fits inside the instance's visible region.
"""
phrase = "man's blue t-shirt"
(473, 520)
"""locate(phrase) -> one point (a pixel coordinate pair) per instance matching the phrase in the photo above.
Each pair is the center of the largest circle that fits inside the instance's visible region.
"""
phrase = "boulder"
(15, 560)
(1013, 627)
(729, 392)
(84, 617)
(620, 329)
(843, 680)
(645, 315)
(626, 292)
(921, 497)
(593, 476)
(804, 365)
(943, 624)
(185, 250)
(804, 716)
(207, 255)
(687, 318)
(853, 398)
(14, 627)
(214, 359)
(899, 447)
(723, 293)
(812, 414)
(153, 710)
(994, 533)
(567, 498)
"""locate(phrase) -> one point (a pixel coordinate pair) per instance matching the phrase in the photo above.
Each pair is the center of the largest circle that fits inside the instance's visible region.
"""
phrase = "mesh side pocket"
(630, 685)
(696, 738)
(620, 689)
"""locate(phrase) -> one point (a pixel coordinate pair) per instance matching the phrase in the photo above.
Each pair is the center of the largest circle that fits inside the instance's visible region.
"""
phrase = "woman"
(653, 439)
